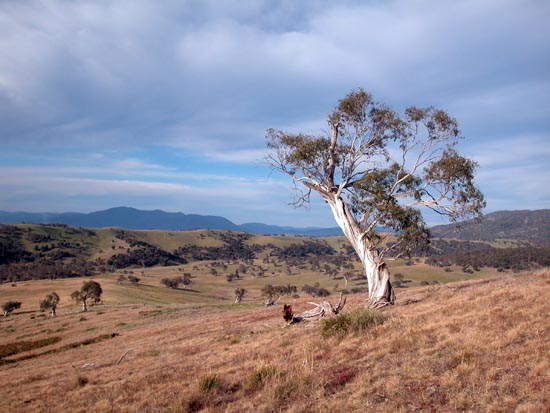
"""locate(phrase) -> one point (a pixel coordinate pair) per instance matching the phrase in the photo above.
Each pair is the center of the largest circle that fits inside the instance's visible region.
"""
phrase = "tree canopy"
(384, 165)
(50, 303)
(90, 290)
(375, 168)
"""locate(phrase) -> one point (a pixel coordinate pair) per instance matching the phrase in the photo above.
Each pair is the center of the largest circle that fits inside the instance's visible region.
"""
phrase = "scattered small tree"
(186, 279)
(171, 282)
(50, 303)
(348, 275)
(315, 290)
(133, 279)
(9, 306)
(91, 290)
(239, 294)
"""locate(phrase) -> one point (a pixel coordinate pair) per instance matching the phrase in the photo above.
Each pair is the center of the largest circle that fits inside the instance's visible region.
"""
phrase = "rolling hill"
(530, 226)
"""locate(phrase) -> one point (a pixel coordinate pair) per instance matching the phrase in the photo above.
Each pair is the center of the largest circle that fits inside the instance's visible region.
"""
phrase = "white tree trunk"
(377, 273)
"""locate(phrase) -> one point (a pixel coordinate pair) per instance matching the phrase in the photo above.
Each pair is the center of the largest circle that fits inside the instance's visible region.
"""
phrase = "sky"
(165, 104)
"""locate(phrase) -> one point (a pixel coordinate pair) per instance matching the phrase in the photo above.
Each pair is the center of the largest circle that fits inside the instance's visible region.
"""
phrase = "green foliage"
(383, 166)
(358, 322)
(90, 290)
(50, 302)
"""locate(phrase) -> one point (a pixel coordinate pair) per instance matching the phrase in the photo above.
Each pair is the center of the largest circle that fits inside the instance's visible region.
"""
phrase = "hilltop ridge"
(523, 225)
(132, 218)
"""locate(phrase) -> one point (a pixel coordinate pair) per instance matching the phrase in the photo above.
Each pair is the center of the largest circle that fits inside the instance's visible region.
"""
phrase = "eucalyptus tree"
(375, 167)
(90, 290)
(239, 295)
(50, 302)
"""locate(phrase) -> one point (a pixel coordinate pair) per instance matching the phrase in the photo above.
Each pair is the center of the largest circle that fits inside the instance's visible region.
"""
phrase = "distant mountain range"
(531, 226)
(131, 218)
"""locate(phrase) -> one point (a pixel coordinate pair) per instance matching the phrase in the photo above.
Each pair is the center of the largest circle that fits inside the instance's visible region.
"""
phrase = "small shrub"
(259, 377)
(209, 382)
(354, 322)
(81, 381)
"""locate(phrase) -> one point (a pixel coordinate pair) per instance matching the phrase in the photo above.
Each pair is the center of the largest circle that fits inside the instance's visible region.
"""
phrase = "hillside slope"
(531, 226)
(474, 346)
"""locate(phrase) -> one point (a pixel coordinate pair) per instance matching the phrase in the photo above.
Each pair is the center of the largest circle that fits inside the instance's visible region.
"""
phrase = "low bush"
(357, 322)
(259, 377)
(209, 382)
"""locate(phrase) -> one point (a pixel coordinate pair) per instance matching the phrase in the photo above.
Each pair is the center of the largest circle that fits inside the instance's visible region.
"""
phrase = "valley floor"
(472, 346)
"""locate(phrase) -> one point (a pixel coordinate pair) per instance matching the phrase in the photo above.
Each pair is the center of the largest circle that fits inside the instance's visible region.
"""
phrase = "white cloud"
(208, 77)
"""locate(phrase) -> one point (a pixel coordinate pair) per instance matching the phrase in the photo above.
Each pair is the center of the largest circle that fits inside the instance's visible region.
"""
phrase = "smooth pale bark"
(84, 306)
(377, 273)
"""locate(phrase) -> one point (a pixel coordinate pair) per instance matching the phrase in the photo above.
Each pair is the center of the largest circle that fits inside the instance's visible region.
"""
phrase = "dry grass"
(475, 346)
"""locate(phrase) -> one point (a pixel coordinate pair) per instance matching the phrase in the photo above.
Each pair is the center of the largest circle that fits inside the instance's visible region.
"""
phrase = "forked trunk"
(377, 273)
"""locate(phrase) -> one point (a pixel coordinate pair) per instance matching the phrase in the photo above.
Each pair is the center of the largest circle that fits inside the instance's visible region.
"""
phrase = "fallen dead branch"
(321, 310)
(93, 365)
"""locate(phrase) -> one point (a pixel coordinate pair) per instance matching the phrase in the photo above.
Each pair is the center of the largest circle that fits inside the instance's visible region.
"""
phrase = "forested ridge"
(530, 226)
(59, 251)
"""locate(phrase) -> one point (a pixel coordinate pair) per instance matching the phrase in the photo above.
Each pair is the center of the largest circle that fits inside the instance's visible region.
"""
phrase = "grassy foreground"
(474, 346)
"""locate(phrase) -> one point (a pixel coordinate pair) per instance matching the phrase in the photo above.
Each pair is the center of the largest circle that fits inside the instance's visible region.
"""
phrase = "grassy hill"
(464, 346)
(456, 340)
(528, 227)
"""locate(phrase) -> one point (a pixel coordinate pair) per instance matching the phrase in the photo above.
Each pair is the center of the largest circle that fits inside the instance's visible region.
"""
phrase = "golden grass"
(475, 346)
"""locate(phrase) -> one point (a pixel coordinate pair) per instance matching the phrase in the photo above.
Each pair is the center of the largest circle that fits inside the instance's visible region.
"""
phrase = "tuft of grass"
(358, 322)
(259, 377)
(209, 382)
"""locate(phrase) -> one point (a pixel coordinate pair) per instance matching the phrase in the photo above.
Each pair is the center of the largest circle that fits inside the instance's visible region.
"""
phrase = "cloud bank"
(190, 87)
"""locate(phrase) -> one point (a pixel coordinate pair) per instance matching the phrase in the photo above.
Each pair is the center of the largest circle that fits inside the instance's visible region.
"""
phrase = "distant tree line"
(144, 255)
(233, 248)
(521, 258)
(305, 249)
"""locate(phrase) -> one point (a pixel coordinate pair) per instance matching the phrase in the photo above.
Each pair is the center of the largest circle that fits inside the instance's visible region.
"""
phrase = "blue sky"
(164, 105)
